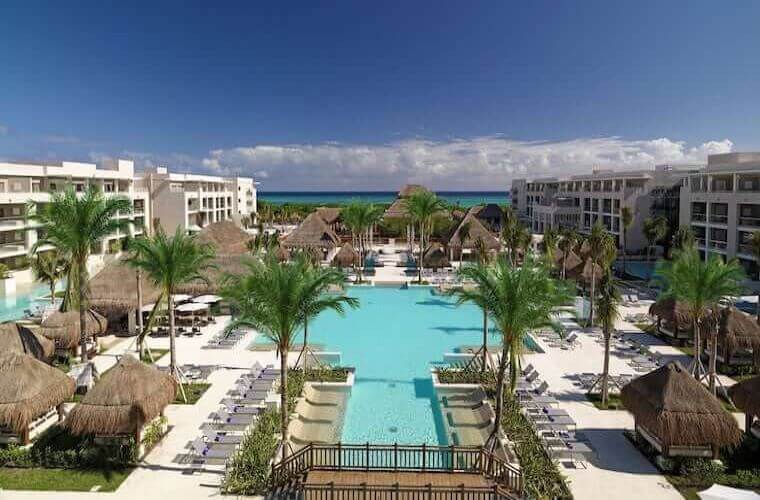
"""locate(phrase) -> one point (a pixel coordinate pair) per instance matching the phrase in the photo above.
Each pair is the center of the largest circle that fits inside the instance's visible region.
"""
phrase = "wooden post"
(395, 456)
(367, 455)
(340, 457)
(424, 456)
(452, 456)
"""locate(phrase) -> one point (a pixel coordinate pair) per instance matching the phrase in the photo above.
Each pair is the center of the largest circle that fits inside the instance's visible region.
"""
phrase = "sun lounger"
(538, 391)
(224, 416)
(535, 400)
(242, 409)
(527, 370)
(222, 437)
(212, 450)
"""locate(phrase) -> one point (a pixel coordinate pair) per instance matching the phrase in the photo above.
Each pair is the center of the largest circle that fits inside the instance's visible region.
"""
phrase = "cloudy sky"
(359, 95)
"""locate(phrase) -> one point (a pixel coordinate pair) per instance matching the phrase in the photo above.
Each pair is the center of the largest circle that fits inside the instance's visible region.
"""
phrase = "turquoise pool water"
(12, 307)
(643, 270)
(393, 340)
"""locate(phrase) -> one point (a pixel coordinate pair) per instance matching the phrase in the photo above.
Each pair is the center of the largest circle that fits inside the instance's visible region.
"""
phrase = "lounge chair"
(212, 450)
(224, 416)
(242, 409)
(218, 437)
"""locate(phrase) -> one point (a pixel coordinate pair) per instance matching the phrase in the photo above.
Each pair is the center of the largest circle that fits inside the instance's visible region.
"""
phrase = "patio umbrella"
(180, 297)
(207, 299)
(191, 307)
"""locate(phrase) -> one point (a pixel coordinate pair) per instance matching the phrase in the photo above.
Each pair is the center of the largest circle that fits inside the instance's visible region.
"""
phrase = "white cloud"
(488, 163)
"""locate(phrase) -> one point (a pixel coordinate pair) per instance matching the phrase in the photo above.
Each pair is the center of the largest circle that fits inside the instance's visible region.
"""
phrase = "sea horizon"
(464, 198)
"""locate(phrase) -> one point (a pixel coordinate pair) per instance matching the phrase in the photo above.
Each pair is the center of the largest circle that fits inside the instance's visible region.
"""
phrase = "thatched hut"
(63, 329)
(330, 215)
(220, 267)
(584, 274)
(312, 233)
(282, 254)
(673, 319)
(571, 261)
(18, 338)
(738, 338)
(30, 390)
(677, 415)
(226, 237)
(398, 210)
(435, 256)
(347, 256)
(477, 232)
(746, 397)
(126, 397)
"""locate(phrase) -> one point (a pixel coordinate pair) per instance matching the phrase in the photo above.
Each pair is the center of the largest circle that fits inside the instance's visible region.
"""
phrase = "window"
(53, 187)
(16, 187)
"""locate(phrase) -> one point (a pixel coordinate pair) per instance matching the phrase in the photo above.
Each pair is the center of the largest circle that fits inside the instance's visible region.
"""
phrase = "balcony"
(698, 217)
(718, 245)
(11, 224)
(749, 221)
(700, 242)
(719, 219)
(746, 249)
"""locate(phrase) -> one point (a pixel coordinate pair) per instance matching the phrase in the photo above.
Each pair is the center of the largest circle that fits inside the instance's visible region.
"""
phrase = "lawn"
(613, 401)
(39, 479)
(157, 354)
(193, 391)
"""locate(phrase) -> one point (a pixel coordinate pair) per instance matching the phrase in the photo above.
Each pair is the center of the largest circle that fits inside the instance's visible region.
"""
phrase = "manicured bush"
(249, 468)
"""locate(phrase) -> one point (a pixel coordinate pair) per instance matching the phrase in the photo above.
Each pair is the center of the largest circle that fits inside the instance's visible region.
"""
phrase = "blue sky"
(374, 94)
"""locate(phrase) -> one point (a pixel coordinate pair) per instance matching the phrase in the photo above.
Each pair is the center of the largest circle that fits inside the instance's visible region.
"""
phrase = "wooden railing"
(398, 458)
(331, 491)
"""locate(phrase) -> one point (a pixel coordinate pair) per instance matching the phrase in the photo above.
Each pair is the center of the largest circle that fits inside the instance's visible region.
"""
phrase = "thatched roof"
(114, 289)
(410, 189)
(282, 254)
(678, 409)
(328, 214)
(584, 273)
(397, 210)
(18, 338)
(226, 237)
(477, 231)
(220, 267)
(571, 262)
(746, 395)
(63, 327)
(738, 330)
(346, 256)
(312, 233)
(435, 256)
(29, 389)
(124, 399)
(673, 312)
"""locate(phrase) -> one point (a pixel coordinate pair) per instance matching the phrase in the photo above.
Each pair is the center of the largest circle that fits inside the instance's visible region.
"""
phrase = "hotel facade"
(157, 196)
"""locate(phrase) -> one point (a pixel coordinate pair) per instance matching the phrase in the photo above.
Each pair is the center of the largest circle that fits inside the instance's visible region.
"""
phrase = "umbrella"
(207, 299)
(191, 307)
(180, 297)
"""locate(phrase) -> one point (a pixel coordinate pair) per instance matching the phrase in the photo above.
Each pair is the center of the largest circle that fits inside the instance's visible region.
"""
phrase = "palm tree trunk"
(172, 340)
(713, 360)
(284, 410)
(591, 296)
(696, 371)
(485, 340)
(499, 410)
(422, 242)
(83, 311)
(606, 369)
(52, 292)
(624, 258)
(564, 258)
(305, 344)
(139, 316)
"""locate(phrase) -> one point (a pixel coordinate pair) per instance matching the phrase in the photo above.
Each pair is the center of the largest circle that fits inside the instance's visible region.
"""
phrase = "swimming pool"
(642, 270)
(393, 339)
(12, 307)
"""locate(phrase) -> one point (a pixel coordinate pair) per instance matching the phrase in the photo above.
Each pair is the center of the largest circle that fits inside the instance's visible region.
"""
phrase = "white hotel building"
(158, 197)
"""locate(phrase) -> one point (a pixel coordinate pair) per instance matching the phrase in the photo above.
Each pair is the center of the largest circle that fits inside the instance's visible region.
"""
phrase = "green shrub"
(5, 272)
(468, 376)
(249, 468)
(153, 433)
(701, 470)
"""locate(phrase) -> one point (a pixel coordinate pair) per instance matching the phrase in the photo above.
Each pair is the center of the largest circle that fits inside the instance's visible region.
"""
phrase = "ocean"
(463, 198)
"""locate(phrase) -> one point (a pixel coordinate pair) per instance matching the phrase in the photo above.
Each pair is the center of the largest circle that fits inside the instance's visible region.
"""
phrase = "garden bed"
(40, 479)
(193, 390)
(613, 402)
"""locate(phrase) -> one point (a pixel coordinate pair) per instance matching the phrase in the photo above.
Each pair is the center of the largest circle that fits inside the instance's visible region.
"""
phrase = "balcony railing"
(700, 242)
(720, 245)
(698, 217)
(745, 248)
(749, 221)
(719, 219)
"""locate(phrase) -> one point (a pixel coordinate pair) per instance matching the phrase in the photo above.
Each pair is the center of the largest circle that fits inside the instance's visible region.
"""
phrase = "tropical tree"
(654, 230)
(567, 242)
(464, 232)
(277, 299)
(516, 237)
(754, 243)
(169, 261)
(626, 220)
(73, 223)
(607, 312)
(423, 206)
(360, 218)
(319, 280)
(701, 285)
(49, 268)
(683, 238)
(516, 299)
(602, 250)
(551, 241)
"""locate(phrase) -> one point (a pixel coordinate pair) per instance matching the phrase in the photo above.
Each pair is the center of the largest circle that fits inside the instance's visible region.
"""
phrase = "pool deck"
(390, 479)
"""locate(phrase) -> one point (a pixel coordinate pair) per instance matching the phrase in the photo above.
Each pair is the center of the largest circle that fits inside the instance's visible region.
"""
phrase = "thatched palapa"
(398, 210)
(411, 189)
(226, 237)
(215, 275)
(570, 262)
(587, 272)
(17, 338)
(435, 256)
(477, 232)
(63, 327)
(282, 254)
(125, 398)
(746, 395)
(331, 215)
(346, 256)
(312, 233)
(737, 330)
(678, 412)
(114, 289)
(30, 389)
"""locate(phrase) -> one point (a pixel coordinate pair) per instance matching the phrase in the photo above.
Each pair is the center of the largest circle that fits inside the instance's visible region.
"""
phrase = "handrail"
(395, 457)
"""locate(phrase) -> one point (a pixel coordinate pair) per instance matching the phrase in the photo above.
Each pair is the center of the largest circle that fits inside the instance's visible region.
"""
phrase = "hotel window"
(108, 187)
(79, 187)
(2, 187)
(16, 187)
(35, 186)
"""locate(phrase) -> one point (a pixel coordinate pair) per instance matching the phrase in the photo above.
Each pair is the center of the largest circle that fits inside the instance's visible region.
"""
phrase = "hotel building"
(722, 205)
(158, 197)
(579, 201)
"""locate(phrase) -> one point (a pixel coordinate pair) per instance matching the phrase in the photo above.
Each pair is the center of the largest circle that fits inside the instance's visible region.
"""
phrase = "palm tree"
(517, 299)
(754, 243)
(626, 220)
(271, 297)
(566, 244)
(73, 224)
(49, 268)
(320, 280)
(682, 238)
(701, 285)
(422, 207)
(169, 261)
(602, 250)
(464, 232)
(516, 238)
(654, 230)
(607, 311)
(551, 239)
(360, 218)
